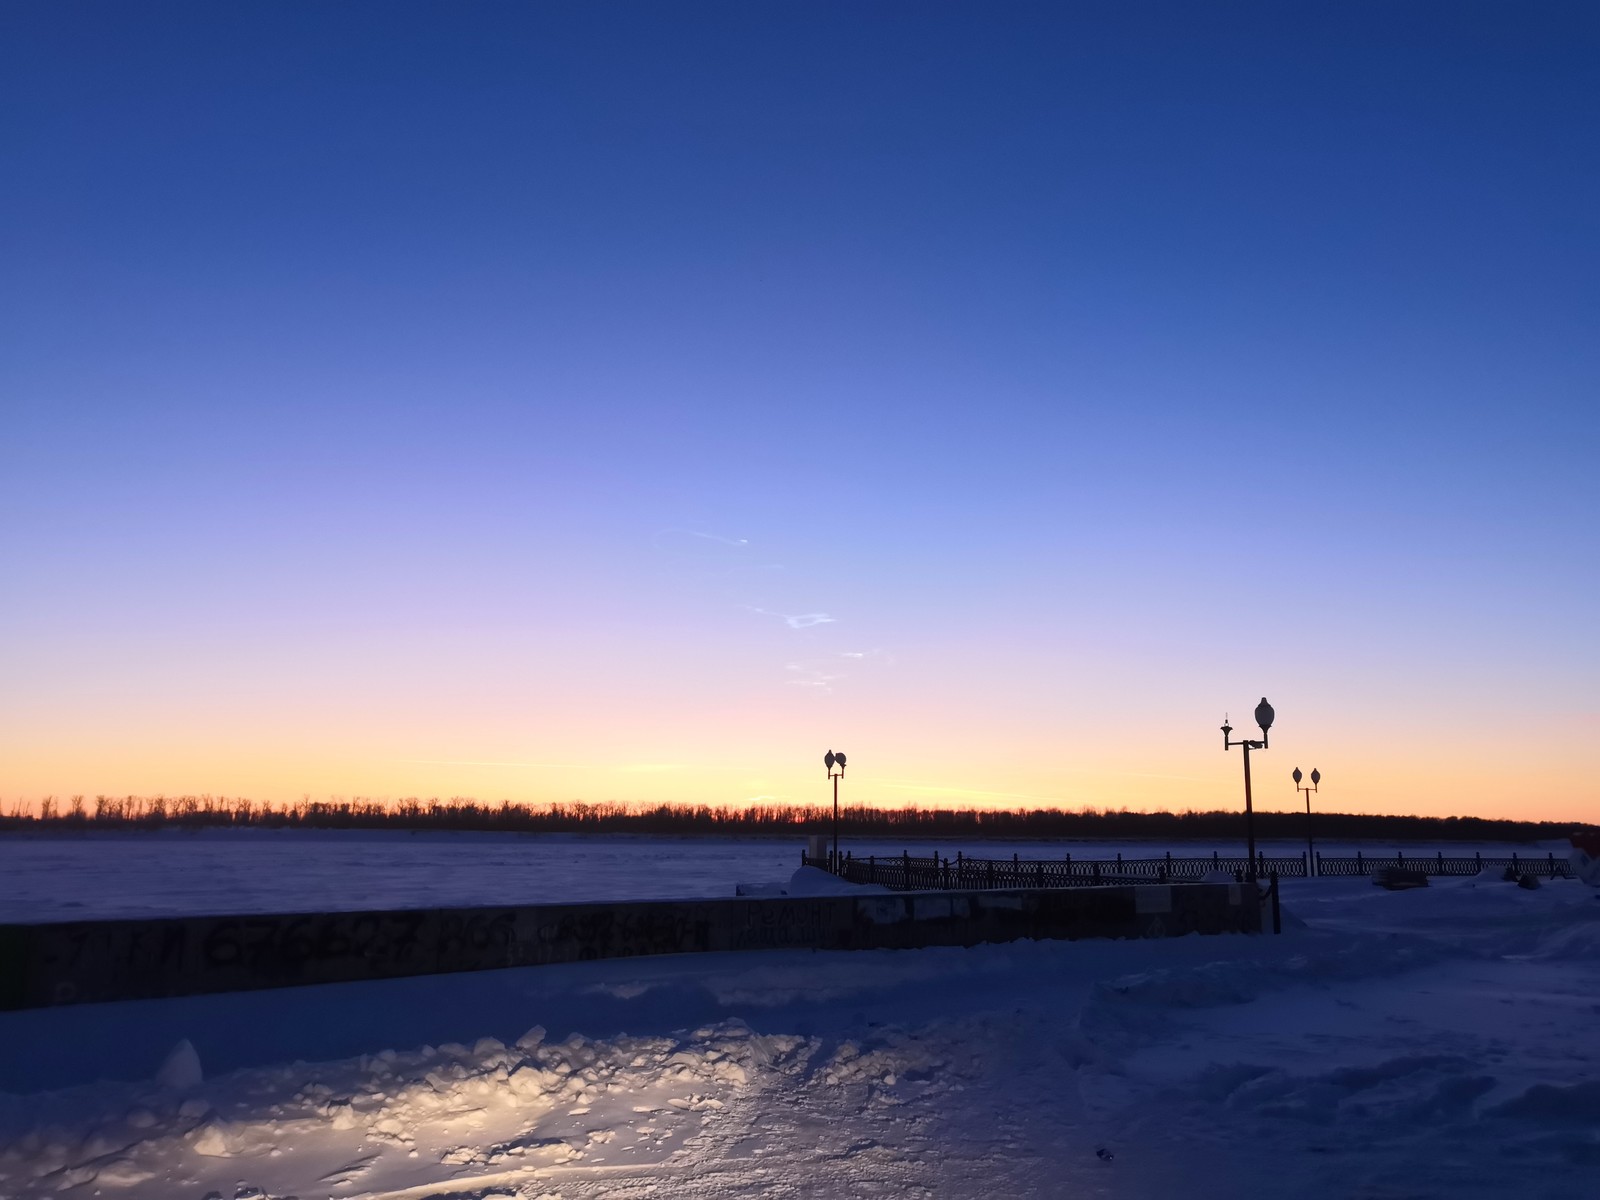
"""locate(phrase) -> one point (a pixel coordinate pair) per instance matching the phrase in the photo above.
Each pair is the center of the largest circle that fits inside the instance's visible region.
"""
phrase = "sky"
(635, 401)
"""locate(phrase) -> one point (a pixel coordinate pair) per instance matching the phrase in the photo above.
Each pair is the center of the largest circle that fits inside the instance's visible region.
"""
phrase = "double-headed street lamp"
(835, 765)
(1264, 715)
(1316, 778)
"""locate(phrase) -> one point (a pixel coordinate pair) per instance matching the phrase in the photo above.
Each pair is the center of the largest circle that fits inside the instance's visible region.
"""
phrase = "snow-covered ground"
(1440, 1042)
(176, 872)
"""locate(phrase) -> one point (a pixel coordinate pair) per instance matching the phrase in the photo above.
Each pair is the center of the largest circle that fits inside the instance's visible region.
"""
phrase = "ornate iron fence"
(1547, 867)
(908, 872)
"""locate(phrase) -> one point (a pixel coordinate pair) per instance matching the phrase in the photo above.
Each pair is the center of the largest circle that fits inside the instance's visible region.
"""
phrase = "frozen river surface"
(175, 872)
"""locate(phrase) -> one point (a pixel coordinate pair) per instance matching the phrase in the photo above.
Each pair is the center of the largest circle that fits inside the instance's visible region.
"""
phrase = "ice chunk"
(212, 1141)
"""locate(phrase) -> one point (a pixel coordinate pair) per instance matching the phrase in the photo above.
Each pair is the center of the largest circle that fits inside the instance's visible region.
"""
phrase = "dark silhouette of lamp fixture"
(835, 764)
(1264, 717)
(1316, 778)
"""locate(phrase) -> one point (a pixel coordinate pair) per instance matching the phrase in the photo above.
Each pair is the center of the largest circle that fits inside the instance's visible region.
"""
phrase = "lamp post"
(1264, 715)
(1316, 778)
(835, 765)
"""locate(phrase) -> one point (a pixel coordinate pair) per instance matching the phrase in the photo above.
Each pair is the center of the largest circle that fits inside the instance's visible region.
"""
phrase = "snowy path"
(1443, 1042)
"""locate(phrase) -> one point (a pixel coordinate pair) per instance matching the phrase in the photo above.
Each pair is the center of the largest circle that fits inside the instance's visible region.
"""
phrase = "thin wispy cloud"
(703, 535)
(701, 550)
(810, 676)
(821, 672)
(795, 620)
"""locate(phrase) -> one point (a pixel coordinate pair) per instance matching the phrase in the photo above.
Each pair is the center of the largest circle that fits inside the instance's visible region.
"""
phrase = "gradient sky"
(634, 401)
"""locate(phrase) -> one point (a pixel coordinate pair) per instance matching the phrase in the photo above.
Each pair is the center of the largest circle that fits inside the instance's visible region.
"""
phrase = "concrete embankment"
(94, 961)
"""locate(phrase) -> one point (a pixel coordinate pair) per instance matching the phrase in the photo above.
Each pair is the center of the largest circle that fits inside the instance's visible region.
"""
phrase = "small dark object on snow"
(1528, 881)
(1104, 1155)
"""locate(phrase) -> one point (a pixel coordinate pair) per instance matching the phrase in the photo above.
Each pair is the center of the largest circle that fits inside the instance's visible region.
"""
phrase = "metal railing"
(908, 872)
(1547, 867)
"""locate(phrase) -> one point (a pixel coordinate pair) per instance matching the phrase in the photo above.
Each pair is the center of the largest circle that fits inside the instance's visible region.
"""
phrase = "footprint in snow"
(350, 1171)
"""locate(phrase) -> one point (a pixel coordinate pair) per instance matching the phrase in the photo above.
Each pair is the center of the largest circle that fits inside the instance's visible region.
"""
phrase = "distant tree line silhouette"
(195, 812)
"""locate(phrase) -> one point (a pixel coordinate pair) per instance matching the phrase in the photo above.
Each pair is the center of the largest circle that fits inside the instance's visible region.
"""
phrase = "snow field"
(485, 1117)
(1441, 1042)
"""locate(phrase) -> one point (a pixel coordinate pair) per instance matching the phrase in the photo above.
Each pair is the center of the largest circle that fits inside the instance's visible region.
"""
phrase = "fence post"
(906, 883)
(946, 873)
(1305, 866)
(1359, 869)
(989, 871)
(1215, 861)
(1319, 864)
(1097, 873)
(1277, 916)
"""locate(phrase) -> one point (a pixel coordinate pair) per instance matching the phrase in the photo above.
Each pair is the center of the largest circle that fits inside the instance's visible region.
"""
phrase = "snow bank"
(466, 1109)
(1434, 1042)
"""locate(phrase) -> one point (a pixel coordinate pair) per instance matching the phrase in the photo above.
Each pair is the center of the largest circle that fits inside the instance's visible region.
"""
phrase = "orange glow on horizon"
(1377, 780)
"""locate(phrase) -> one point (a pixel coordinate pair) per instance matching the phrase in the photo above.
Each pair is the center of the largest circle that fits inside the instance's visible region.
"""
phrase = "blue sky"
(462, 382)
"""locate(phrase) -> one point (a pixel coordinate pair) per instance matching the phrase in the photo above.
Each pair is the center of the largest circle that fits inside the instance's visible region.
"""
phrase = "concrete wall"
(79, 962)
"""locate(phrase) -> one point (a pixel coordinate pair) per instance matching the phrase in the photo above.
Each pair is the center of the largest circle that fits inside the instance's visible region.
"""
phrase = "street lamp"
(1264, 715)
(1316, 778)
(833, 761)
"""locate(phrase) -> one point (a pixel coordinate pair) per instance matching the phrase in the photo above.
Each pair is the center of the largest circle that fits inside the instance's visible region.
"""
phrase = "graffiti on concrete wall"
(771, 925)
(264, 944)
(117, 960)
(617, 931)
